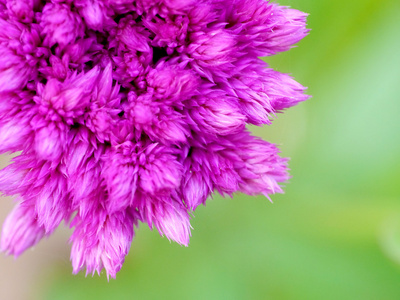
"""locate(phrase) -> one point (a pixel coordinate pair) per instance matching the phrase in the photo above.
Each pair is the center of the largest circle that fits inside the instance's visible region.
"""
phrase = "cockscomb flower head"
(135, 111)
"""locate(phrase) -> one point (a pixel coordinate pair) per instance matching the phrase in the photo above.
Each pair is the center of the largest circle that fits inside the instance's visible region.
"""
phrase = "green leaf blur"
(335, 233)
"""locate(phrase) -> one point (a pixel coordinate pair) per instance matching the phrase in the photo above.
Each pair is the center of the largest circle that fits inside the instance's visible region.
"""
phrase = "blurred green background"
(335, 233)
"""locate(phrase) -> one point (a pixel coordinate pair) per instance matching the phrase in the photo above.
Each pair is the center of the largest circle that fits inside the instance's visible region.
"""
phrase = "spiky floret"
(127, 111)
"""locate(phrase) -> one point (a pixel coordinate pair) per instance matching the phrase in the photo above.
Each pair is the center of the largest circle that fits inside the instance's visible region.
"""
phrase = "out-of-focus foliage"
(335, 234)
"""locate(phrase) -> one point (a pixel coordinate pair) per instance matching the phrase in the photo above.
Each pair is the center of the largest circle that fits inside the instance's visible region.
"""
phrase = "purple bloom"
(136, 111)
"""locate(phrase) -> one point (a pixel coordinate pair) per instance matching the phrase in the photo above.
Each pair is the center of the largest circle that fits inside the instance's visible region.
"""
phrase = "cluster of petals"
(128, 111)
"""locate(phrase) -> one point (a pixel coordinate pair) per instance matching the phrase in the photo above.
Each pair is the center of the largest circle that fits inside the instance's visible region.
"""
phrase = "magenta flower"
(127, 111)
